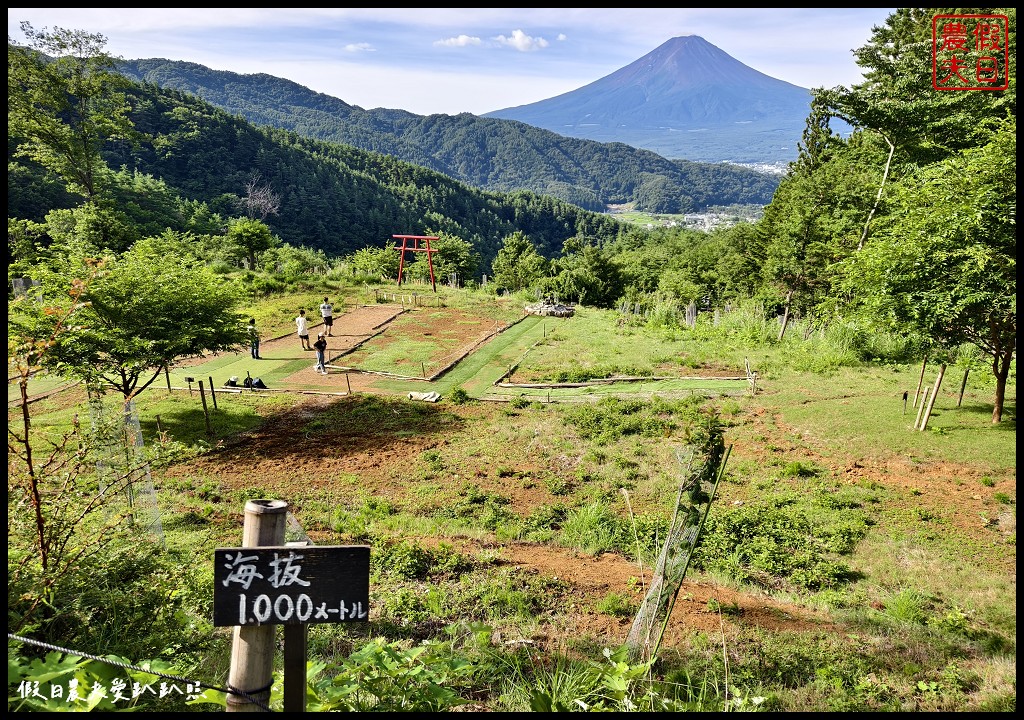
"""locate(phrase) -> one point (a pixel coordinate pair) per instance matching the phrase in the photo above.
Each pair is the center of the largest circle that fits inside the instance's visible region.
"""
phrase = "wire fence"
(28, 687)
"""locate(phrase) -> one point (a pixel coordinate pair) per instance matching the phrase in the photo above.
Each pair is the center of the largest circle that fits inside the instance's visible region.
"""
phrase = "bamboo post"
(252, 646)
(348, 384)
(963, 386)
(920, 409)
(935, 394)
(920, 379)
(213, 394)
(206, 411)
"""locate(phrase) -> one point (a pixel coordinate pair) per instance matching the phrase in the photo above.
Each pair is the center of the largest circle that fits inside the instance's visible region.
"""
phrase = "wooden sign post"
(264, 584)
(291, 585)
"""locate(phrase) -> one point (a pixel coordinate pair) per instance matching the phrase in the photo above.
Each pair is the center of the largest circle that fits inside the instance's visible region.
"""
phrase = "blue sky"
(448, 60)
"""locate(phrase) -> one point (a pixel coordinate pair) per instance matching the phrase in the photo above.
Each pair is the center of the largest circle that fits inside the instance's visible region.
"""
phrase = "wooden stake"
(206, 411)
(963, 385)
(295, 650)
(935, 394)
(213, 394)
(253, 646)
(920, 409)
(920, 379)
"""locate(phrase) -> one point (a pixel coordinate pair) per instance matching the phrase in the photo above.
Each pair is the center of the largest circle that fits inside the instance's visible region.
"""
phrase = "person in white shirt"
(327, 313)
(303, 328)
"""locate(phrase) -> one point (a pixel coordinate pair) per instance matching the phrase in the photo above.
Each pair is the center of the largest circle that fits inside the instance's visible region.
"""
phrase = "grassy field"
(850, 562)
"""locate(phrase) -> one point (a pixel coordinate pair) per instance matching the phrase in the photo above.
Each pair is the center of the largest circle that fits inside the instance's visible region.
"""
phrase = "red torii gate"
(415, 247)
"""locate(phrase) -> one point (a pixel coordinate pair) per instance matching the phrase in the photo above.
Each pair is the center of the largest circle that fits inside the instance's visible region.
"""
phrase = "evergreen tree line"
(486, 153)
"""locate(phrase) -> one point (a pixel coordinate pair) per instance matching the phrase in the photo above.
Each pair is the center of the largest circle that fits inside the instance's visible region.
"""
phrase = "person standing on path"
(303, 328)
(327, 313)
(321, 354)
(254, 339)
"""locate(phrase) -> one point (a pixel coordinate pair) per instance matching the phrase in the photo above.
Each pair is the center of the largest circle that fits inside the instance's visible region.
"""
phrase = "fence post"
(253, 646)
(963, 386)
(212, 393)
(206, 411)
(296, 651)
(931, 400)
(920, 380)
(920, 408)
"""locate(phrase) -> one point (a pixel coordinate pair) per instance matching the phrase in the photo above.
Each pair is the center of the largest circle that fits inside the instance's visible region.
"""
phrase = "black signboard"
(291, 585)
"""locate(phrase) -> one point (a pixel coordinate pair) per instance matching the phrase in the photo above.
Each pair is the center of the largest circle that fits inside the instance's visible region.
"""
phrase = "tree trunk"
(1001, 369)
(881, 187)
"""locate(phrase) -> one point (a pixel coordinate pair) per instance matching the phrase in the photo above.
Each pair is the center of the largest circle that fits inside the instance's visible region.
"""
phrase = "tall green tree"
(898, 103)
(381, 262)
(251, 238)
(584, 274)
(518, 265)
(943, 262)
(147, 308)
(454, 257)
(65, 102)
(813, 220)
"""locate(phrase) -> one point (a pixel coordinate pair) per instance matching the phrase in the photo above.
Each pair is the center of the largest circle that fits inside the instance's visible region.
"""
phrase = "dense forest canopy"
(486, 153)
(907, 225)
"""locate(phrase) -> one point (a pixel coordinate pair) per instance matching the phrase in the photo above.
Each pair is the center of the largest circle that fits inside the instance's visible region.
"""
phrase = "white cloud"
(522, 42)
(460, 41)
(365, 53)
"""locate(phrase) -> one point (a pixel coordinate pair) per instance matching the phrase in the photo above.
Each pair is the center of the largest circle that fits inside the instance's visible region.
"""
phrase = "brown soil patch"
(279, 455)
(950, 491)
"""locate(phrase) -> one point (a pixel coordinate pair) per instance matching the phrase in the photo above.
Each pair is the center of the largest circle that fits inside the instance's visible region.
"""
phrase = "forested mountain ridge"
(333, 197)
(487, 153)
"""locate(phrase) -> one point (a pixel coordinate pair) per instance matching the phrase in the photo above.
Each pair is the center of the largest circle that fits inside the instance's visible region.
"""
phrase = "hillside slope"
(490, 154)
